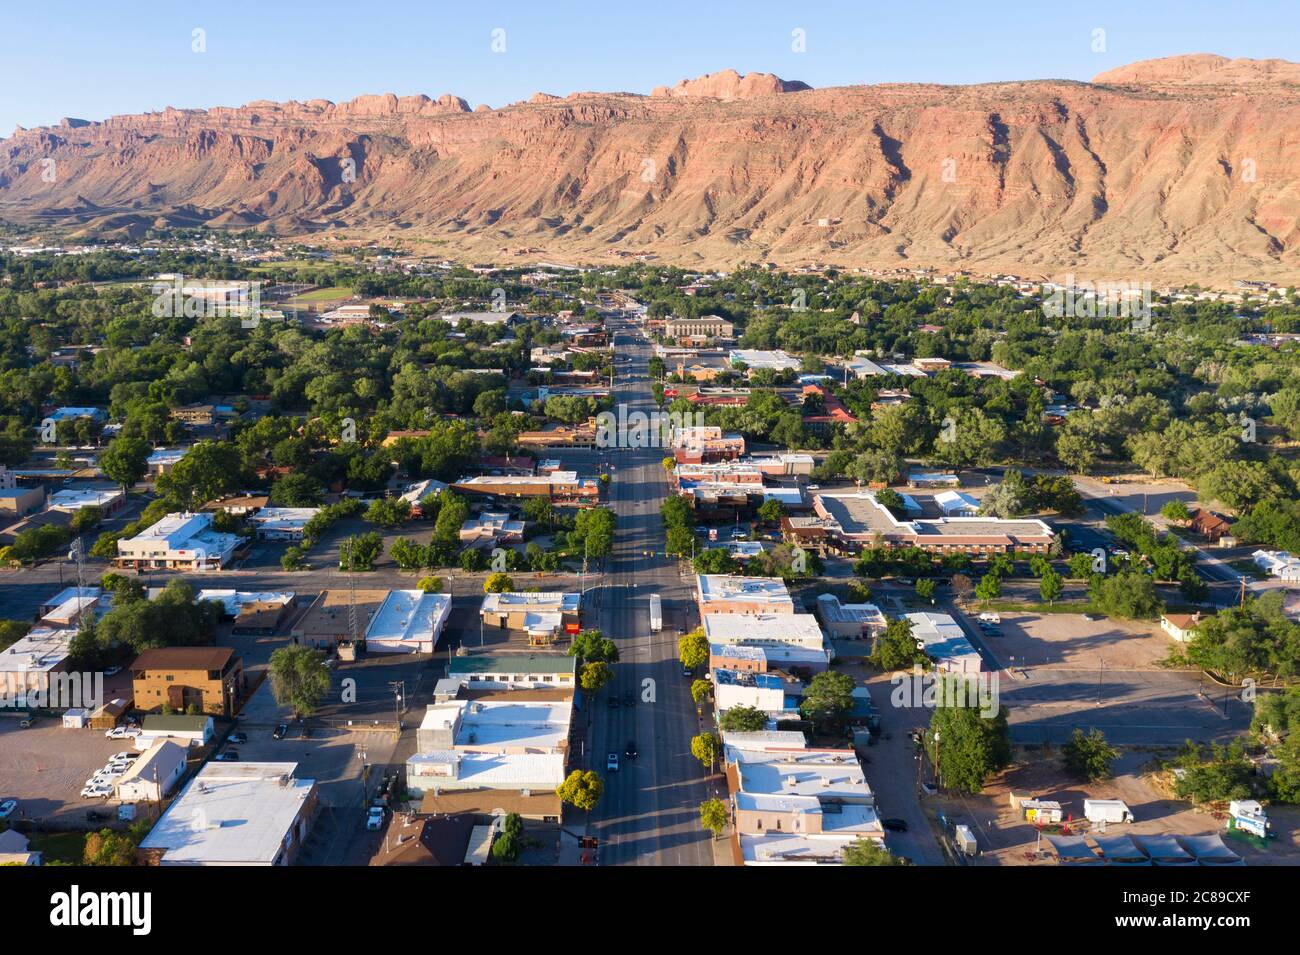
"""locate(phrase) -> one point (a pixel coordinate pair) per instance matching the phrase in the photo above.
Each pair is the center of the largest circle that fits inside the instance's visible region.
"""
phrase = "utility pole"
(1100, 674)
(938, 776)
(399, 692)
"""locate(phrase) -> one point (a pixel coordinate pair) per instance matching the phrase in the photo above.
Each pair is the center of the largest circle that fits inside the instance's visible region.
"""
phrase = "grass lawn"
(60, 846)
(332, 294)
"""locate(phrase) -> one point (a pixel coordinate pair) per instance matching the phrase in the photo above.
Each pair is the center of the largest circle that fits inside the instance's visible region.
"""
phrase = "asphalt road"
(649, 814)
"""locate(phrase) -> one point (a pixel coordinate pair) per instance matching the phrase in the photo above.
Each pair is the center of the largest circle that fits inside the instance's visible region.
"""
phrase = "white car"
(125, 756)
(92, 792)
(7, 808)
(375, 818)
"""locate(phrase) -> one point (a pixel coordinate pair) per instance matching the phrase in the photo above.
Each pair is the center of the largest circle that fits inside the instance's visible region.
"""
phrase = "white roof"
(282, 518)
(409, 616)
(798, 628)
(41, 650)
(231, 813)
(509, 602)
(75, 498)
(949, 499)
(788, 848)
(167, 455)
(162, 756)
(488, 770)
(233, 600)
(770, 590)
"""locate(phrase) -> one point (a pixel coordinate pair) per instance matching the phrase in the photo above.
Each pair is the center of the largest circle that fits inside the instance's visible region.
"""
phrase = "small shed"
(76, 718)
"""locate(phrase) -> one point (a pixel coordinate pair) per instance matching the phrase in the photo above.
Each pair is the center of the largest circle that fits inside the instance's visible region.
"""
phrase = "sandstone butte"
(1182, 169)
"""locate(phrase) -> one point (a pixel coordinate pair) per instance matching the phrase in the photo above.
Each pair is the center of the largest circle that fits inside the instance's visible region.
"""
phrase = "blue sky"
(92, 60)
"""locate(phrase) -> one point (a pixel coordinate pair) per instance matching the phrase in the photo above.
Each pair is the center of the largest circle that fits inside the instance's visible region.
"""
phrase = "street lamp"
(938, 777)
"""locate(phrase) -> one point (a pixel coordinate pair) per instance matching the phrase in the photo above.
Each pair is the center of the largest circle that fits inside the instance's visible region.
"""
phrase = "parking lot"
(45, 767)
(1059, 671)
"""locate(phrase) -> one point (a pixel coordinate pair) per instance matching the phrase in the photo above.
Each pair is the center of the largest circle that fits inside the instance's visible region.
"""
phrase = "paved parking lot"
(45, 767)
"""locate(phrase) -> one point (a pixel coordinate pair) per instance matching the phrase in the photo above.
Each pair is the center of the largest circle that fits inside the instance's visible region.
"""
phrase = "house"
(1209, 525)
(250, 814)
(163, 460)
(210, 679)
(408, 621)
(14, 849)
(1181, 626)
(154, 774)
(20, 501)
(492, 527)
(182, 541)
(191, 730)
(416, 494)
(1278, 563)
(543, 616)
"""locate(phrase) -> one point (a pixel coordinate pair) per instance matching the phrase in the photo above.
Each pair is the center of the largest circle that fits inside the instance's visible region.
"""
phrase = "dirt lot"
(1067, 640)
(44, 768)
(1006, 839)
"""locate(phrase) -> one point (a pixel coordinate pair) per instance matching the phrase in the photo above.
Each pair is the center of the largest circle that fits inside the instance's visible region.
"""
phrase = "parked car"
(27, 721)
(229, 756)
(113, 671)
(237, 738)
(687, 671)
(280, 731)
(126, 754)
(121, 732)
(611, 762)
(7, 808)
(375, 818)
(894, 825)
(96, 791)
(630, 751)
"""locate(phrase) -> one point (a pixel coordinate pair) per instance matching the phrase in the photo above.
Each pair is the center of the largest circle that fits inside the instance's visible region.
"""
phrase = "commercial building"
(480, 671)
(706, 443)
(252, 814)
(209, 678)
(178, 541)
(408, 621)
(72, 499)
(767, 630)
(944, 642)
(957, 504)
(20, 501)
(543, 616)
(154, 774)
(332, 615)
(764, 659)
(719, 594)
(850, 621)
(857, 520)
(761, 691)
(253, 613)
(501, 726)
(706, 326)
(755, 359)
(190, 730)
(281, 523)
(561, 487)
(29, 664)
(481, 318)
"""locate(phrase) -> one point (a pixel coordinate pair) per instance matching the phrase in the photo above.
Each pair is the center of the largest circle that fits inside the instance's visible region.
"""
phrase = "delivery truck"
(656, 614)
(1107, 810)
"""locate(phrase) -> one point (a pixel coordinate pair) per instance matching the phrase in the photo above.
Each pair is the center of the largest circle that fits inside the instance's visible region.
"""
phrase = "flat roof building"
(236, 814)
(944, 642)
(858, 520)
(281, 523)
(765, 630)
(720, 594)
(179, 541)
(408, 621)
(505, 670)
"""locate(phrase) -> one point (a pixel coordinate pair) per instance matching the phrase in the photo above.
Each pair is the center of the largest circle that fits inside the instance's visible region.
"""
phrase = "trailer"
(963, 840)
(656, 614)
(1107, 810)
(1248, 816)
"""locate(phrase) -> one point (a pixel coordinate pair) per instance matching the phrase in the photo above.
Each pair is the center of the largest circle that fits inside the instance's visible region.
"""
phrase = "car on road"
(229, 756)
(281, 731)
(611, 762)
(894, 825)
(7, 808)
(375, 818)
(237, 738)
(687, 671)
(630, 750)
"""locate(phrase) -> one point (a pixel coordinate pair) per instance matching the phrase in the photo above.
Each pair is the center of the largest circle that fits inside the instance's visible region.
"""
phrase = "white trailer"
(656, 614)
(1107, 810)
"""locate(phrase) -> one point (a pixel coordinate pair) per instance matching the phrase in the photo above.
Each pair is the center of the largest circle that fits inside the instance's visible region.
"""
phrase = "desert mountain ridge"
(1179, 169)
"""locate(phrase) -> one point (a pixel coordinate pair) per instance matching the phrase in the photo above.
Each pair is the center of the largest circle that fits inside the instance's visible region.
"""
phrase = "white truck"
(1107, 810)
(656, 614)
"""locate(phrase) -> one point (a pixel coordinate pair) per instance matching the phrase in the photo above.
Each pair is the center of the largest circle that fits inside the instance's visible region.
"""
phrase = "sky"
(91, 60)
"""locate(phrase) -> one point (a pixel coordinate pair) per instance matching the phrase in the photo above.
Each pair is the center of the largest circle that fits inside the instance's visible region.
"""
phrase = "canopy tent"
(1120, 851)
(1210, 850)
(1073, 850)
(1164, 850)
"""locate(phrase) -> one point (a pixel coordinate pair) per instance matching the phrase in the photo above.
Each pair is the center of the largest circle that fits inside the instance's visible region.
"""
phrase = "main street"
(649, 814)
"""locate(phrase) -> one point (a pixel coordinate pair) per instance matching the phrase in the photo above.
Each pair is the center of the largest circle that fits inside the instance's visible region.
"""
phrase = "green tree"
(896, 647)
(108, 848)
(1175, 511)
(125, 460)
(743, 719)
(771, 511)
(209, 470)
(1088, 755)
(297, 490)
(299, 678)
(867, 852)
(693, 649)
(591, 646)
(595, 676)
(989, 588)
(971, 747)
(581, 789)
(828, 700)
(705, 747)
(1051, 586)
(388, 512)
(1129, 594)
(925, 589)
(713, 816)
(498, 583)
(360, 551)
